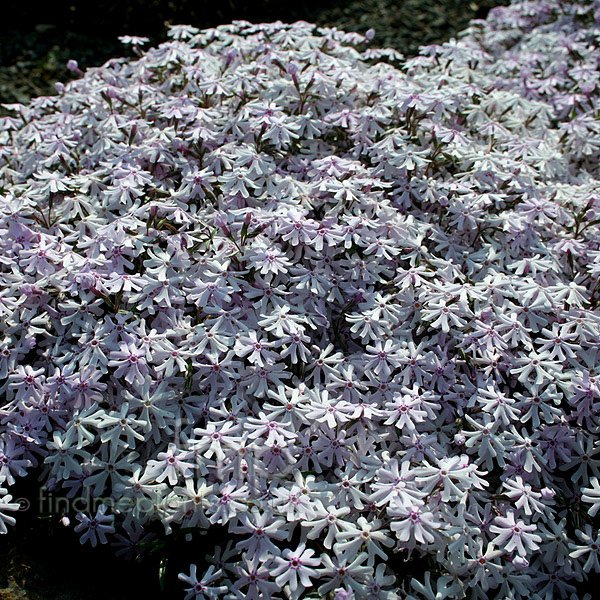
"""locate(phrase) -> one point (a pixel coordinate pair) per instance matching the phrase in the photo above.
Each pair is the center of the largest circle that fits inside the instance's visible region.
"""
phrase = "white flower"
(590, 549)
(591, 495)
(343, 573)
(95, 528)
(524, 496)
(171, 465)
(295, 568)
(202, 588)
(364, 533)
(130, 362)
(515, 535)
(6, 506)
(412, 524)
(329, 518)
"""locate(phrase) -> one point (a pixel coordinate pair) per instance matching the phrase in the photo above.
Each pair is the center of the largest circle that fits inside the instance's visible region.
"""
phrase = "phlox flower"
(590, 549)
(6, 506)
(329, 518)
(412, 524)
(296, 568)
(364, 535)
(171, 465)
(591, 495)
(261, 528)
(203, 588)
(130, 362)
(95, 528)
(256, 577)
(342, 572)
(515, 535)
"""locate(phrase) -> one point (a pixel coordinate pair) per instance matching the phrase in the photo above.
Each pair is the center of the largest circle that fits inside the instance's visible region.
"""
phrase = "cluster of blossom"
(261, 279)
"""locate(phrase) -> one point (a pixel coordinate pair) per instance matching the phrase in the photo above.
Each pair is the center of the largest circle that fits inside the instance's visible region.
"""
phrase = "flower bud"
(547, 494)
(342, 594)
(221, 220)
(520, 562)
(112, 92)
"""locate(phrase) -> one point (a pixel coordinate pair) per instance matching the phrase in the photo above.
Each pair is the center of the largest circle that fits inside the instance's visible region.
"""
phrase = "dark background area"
(38, 38)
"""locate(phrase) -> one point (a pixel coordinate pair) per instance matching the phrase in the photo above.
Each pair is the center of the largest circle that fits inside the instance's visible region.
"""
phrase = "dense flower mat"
(340, 305)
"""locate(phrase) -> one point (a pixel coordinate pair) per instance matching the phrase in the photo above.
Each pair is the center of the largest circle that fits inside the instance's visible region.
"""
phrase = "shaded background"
(37, 38)
(40, 559)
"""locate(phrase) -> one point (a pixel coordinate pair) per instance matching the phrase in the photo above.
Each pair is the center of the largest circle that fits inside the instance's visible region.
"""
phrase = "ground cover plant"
(41, 38)
(341, 307)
